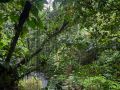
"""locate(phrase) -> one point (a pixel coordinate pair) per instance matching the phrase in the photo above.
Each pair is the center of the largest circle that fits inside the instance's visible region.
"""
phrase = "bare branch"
(57, 32)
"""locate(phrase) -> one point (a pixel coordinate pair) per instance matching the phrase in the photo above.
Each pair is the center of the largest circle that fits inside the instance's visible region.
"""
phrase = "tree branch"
(28, 71)
(57, 32)
(18, 28)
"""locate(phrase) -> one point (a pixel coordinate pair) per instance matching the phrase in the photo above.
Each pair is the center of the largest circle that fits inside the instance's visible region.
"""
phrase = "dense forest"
(75, 44)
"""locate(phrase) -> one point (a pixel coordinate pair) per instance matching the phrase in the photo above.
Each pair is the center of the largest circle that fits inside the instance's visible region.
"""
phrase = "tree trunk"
(10, 87)
(8, 81)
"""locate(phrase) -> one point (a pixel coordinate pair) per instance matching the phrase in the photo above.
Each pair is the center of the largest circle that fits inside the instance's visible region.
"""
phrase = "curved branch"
(57, 32)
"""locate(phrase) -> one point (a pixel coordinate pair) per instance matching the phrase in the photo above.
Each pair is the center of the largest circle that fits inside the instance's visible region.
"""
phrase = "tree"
(9, 73)
(90, 29)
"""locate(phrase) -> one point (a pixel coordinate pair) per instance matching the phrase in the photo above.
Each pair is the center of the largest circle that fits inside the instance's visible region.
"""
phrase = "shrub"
(32, 83)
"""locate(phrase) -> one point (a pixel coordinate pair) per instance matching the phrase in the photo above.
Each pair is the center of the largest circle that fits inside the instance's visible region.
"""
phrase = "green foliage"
(100, 83)
(109, 64)
(85, 56)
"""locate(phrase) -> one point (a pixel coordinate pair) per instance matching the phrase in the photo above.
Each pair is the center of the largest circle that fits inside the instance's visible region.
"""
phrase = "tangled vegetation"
(75, 43)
